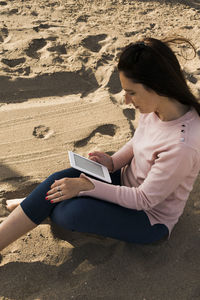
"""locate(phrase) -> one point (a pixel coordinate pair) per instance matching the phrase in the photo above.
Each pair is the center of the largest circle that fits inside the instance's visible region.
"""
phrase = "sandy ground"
(59, 91)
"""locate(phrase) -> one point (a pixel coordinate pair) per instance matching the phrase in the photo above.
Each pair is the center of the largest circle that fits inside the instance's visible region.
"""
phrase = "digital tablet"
(88, 166)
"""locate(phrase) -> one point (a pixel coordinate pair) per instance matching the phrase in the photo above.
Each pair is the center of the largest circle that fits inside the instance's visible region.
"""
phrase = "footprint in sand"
(41, 26)
(91, 42)
(24, 71)
(108, 78)
(34, 46)
(59, 49)
(114, 85)
(13, 62)
(107, 129)
(190, 77)
(42, 132)
(34, 13)
(3, 34)
(105, 58)
(129, 113)
(131, 33)
(51, 38)
(82, 18)
(13, 11)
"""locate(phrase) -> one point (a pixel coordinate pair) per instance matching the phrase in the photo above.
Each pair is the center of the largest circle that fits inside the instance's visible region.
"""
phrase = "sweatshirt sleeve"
(123, 156)
(168, 171)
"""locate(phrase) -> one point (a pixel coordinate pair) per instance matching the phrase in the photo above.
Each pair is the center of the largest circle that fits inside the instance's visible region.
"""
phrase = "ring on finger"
(61, 194)
(58, 189)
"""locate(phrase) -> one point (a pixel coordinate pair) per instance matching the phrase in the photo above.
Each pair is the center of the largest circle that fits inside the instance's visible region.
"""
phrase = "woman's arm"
(115, 162)
(168, 172)
(123, 156)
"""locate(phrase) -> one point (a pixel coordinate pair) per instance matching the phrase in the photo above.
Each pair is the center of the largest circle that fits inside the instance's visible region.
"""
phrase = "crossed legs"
(83, 214)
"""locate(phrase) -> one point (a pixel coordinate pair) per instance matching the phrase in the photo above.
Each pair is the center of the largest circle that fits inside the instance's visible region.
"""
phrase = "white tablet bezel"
(104, 169)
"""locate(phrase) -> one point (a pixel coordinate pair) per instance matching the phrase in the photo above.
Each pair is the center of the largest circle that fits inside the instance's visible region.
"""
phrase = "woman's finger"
(53, 193)
(56, 189)
(96, 153)
(58, 182)
(59, 199)
(68, 189)
(94, 158)
(55, 196)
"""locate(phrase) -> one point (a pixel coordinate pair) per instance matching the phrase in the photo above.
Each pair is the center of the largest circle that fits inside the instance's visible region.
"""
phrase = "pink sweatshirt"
(159, 167)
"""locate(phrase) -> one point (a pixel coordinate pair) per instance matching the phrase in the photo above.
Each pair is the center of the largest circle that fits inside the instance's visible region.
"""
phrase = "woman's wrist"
(85, 184)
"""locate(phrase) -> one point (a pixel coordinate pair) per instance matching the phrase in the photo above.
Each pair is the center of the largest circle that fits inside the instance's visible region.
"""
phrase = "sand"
(59, 91)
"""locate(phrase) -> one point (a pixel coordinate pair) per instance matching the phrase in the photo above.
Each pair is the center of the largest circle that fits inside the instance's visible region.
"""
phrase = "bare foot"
(13, 203)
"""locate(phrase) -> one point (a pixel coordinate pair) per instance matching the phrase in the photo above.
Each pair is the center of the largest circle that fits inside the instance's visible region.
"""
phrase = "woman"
(152, 175)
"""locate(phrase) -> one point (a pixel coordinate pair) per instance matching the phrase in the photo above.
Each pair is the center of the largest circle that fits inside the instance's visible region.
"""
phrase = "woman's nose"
(127, 98)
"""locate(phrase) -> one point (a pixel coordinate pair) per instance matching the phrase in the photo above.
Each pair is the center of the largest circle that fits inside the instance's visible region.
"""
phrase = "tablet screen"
(89, 165)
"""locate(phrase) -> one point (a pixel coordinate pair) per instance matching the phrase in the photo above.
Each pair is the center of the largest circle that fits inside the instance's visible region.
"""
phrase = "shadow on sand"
(45, 85)
(117, 268)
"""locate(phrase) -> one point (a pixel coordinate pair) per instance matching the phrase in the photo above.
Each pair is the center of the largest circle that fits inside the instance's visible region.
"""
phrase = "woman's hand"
(102, 158)
(67, 188)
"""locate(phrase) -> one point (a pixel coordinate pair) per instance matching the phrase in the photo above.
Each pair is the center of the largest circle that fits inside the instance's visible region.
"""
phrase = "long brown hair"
(152, 63)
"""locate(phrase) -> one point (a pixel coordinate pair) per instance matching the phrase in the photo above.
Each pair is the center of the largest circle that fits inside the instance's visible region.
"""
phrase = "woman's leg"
(91, 215)
(86, 214)
(81, 214)
(11, 204)
(34, 207)
(15, 225)
(37, 208)
(32, 210)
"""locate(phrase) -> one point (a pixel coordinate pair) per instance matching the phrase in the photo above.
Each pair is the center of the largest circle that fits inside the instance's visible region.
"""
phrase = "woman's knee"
(64, 173)
(54, 176)
(70, 214)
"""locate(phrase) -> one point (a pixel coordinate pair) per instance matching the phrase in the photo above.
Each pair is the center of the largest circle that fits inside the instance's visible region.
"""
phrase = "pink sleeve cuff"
(84, 193)
(96, 192)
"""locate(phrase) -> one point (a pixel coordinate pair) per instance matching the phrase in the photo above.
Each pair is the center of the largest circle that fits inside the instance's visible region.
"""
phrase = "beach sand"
(60, 91)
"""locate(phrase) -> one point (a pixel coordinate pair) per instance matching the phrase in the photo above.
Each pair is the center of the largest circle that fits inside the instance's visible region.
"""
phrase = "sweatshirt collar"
(187, 116)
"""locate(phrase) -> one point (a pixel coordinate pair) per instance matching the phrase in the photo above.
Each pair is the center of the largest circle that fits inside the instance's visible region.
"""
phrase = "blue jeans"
(91, 215)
